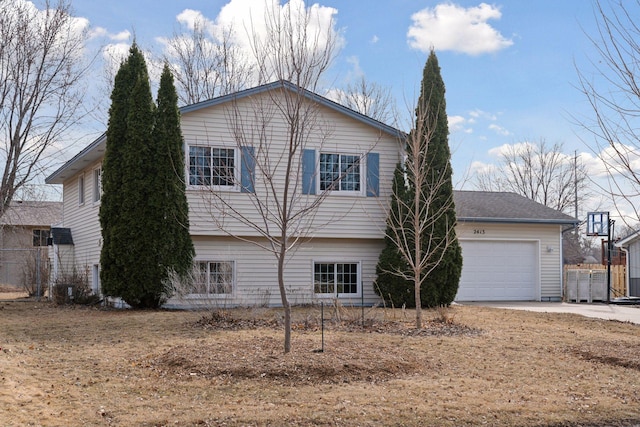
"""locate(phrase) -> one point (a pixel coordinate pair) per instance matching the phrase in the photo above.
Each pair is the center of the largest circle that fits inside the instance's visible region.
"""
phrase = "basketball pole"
(608, 261)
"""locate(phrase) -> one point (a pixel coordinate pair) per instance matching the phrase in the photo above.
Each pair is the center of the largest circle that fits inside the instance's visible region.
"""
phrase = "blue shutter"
(309, 172)
(373, 175)
(247, 170)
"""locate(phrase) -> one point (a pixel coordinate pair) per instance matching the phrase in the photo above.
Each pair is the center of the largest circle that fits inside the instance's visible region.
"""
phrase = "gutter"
(519, 221)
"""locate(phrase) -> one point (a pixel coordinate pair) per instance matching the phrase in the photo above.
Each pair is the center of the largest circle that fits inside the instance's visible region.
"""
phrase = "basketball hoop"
(598, 224)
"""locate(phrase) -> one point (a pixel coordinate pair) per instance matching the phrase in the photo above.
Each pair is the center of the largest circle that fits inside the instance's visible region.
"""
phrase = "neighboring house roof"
(95, 151)
(503, 207)
(32, 213)
(629, 239)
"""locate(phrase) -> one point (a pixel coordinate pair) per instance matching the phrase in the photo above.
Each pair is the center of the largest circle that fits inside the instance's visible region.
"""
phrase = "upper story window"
(40, 237)
(340, 172)
(212, 166)
(348, 174)
(97, 184)
(81, 190)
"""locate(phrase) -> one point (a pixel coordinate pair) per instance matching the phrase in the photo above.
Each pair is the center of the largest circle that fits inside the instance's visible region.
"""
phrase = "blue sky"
(509, 67)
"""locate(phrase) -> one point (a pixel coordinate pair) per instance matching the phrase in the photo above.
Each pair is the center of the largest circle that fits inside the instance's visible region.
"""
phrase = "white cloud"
(459, 124)
(451, 27)
(246, 22)
(499, 129)
(479, 114)
(374, 39)
(121, 36)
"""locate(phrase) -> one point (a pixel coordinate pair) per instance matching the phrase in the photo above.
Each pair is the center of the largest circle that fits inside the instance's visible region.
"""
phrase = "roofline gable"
(311, 96)
(88, 153)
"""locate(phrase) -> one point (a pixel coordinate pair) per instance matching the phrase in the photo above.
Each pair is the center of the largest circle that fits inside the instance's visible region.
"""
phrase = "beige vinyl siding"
(548, 236)
(350, 216)
(82, 220)
(256, 279)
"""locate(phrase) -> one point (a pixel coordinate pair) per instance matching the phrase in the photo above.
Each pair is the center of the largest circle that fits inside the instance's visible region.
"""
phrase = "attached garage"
(511, 247)
(499, 270)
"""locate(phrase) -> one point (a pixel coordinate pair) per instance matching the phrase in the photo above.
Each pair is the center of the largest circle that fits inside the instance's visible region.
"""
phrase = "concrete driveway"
(623, 313)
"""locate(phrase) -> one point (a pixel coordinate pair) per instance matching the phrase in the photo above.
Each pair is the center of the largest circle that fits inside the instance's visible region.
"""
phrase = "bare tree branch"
(613, 92)
(206, 66)
(540, 172)
(40, 92)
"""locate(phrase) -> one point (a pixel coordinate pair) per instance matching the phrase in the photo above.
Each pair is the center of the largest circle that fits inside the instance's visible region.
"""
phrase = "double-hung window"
(81, 190)
(212, 166)
(340, 172)
(97, 184)
(40, 237)
(336, 279)
(214, 278)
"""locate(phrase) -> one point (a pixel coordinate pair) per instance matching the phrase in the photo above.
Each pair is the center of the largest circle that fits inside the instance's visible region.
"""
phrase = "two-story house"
(343, 236)
(512, 246)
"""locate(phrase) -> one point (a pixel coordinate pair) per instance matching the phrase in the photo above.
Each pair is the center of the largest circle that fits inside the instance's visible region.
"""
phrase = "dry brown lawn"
(73, 366)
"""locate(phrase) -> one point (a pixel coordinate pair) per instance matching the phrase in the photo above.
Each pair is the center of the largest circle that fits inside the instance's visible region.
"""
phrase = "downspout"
(561, 265)
(628, 269)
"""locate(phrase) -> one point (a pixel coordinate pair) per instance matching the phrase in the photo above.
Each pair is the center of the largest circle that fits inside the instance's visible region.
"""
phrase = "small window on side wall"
(81, 190)
(97, 185)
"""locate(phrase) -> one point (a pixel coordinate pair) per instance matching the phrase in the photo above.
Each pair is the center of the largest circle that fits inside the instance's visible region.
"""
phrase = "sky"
(509, 67)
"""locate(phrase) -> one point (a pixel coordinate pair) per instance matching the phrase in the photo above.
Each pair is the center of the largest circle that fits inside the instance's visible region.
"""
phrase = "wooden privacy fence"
(618, 277)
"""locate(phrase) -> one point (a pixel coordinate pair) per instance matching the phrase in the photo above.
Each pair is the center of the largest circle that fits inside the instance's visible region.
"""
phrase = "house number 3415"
(478, 231)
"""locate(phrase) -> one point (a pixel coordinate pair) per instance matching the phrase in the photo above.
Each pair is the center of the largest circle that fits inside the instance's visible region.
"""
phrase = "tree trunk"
(285, 302)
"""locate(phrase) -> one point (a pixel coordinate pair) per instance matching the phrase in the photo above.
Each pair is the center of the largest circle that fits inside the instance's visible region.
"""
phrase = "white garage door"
(498, 271)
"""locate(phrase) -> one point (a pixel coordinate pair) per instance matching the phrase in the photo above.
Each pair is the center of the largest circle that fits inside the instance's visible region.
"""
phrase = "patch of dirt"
(622, 354)
(261, 358)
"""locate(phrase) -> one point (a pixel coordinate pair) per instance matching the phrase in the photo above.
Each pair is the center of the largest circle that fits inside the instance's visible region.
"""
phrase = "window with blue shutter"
(247, 170)
(373, 175)
(309, 172)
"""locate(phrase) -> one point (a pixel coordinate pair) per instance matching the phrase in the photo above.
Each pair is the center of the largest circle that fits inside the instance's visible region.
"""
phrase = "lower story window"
(40, 237)
(213, 278)
(335, 278)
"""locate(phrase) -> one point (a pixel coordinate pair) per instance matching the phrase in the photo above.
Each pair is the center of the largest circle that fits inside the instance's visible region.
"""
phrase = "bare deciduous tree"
(421, 222)
(369, 99)
(298, 50)
(613, 92)
(41, 70)
(414, 220)
(206, 66)
(540, 172)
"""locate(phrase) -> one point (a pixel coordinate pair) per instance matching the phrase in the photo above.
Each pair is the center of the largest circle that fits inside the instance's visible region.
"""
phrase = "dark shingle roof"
(61, 236)
(487, 206)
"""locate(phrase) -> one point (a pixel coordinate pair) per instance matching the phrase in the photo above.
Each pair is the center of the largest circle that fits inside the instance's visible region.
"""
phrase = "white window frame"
(235, 186)
(196, 271)
(81, 190)
(339, 192)
(96, 194)
(335, 294)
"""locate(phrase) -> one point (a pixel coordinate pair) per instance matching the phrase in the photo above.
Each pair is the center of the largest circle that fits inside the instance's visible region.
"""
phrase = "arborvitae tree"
(176, 248)
(393, 271)
(112, 277)
(442, 282)
(422, 259)
(139, 207)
